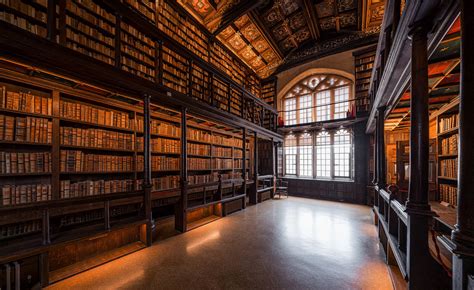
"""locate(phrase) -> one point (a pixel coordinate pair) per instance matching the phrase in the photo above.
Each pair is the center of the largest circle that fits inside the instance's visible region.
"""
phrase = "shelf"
(3, 110)
(96, 173)
(25, 143)
(199, 156)
(448, 156)
(97, 148)
(448, 132)
(94, 261)
(448, 178)
(79, 122)
(24, 174)
(446, 215)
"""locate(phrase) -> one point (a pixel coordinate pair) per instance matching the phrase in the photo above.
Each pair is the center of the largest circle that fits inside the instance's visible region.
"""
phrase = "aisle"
(293, 243)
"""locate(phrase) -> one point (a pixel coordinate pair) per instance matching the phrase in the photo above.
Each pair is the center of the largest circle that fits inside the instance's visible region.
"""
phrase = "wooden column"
(422, 270)
(181, 208)
(463, 234)
(274, 166)
(253, 193)
(374, 180)
(244, 166)
(381, 167)
(51, 20)
(147, 170)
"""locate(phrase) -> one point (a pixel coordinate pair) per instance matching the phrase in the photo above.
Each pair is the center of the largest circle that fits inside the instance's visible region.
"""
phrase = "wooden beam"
(312, 19)
(336, 15)
(266, 33)
(232, 15)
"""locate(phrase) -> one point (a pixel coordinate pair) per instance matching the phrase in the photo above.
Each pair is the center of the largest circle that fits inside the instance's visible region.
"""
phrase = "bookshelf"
(88, 28)
(165, 46)
(364, 62)
(448, 138)
(268, 92)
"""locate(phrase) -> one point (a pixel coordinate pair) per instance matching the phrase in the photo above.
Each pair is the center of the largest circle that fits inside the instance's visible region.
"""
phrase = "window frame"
(314, 163)
(303, 88)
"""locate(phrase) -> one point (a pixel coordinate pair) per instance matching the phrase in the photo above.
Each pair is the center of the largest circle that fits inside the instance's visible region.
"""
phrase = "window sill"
(320, 179)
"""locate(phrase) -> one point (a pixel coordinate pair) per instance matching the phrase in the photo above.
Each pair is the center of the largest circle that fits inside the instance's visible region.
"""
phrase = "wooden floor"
(293, 243)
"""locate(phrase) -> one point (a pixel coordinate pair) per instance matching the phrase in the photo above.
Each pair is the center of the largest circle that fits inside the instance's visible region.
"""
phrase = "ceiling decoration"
(275, 34)
(245, 39)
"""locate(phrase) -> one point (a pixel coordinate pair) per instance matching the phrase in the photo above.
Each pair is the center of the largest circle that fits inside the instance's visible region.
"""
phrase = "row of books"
(27, 17)
(92, 51)
(199, 164)
(165, 182)
(198, 135)
(199, 149)
(145, 7)
(221, 151)
(143, 70)
(95, 115)
(159, 163)
(26, 129)
(365, 59)
(448, 123)
(96, 138)
(79, 218)
(222, 163)
(203, 178)
(364, 67)
(25, 162)
(105, 20)
(181, 29)
(18, 229)
(165, 145)
(78, 161)
(98, 47)
(25, 102)
(158, 127)
(448, 168)
(13, 194)
(69, 189)
(89, 31)
(448, 193)
(449, 145)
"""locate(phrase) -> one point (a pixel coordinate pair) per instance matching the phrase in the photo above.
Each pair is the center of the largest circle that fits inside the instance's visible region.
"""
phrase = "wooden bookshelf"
(164, 46)
(78, 157)
(364, 62)
(448, 138)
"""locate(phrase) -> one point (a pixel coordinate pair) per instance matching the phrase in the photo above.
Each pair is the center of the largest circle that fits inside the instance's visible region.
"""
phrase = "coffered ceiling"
(270, 34)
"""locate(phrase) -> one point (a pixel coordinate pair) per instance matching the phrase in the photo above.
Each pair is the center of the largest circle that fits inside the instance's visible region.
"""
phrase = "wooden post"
(463, 234)
(422, 270)
(253, 193)
(273, 167)
(381, 167)
(159, 57)
(51, 24)
(147, 170)
(107, 215)
(244, 166)
(118, 40)
(181, 208)
(45, 227)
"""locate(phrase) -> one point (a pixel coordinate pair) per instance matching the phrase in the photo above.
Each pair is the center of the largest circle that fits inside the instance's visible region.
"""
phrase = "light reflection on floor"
(292, 243)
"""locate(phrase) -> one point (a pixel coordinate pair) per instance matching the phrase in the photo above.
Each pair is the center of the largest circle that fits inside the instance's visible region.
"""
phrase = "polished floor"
(291, 243)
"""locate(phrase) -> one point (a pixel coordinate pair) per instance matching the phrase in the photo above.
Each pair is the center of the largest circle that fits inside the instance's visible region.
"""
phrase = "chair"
(281, 188)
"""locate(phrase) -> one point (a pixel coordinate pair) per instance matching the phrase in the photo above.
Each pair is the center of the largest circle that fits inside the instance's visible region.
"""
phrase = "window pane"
(306, 103)
(323, 155)
(290, 155)
(341, 99)
(290, 111)
(342, 153)
(306, 156)
(323, 107)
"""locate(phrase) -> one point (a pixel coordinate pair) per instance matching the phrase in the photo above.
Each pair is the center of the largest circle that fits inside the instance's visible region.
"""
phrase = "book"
(13, 194)
(25, 162)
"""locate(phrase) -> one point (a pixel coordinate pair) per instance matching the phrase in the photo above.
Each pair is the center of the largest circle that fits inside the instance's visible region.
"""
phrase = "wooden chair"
(281, 188)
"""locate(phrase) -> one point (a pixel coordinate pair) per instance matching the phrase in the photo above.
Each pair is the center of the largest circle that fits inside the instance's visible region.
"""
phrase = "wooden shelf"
(446, 215)
(448, 132)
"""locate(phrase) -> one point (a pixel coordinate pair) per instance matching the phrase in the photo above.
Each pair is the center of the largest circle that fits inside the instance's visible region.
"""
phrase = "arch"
(309, 72)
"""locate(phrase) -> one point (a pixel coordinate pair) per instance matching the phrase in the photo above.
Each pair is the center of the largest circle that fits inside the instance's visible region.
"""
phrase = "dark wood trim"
(312, 19)
(463, 234)
(147, 186)
(182, 205)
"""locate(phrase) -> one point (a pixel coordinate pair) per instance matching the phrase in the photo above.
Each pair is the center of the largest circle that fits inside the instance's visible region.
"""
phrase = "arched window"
(323, 154)
(342, 153)
(318, 98)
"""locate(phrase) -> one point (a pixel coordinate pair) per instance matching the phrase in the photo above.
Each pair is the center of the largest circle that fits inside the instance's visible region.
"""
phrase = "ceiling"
(271, 35)
(443, 81)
